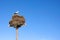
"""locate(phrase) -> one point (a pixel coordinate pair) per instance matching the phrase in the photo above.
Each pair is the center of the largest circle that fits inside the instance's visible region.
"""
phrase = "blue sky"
(42, 19)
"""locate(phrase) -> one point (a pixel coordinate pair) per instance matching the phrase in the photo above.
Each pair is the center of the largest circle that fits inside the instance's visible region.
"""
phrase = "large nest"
(17, 21)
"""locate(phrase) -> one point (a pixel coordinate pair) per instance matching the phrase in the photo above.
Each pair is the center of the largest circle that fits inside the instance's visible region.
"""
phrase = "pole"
(16, 33)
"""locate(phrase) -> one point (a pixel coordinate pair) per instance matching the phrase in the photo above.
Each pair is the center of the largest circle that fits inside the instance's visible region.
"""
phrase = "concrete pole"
(16, 33)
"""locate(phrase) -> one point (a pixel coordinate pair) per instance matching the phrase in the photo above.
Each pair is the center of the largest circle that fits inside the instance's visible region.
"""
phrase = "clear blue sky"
(42, 19)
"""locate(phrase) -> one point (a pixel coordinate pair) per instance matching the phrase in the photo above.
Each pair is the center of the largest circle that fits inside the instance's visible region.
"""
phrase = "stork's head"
(16, 13)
